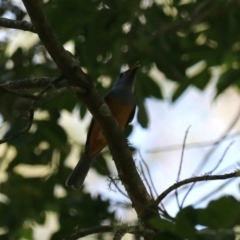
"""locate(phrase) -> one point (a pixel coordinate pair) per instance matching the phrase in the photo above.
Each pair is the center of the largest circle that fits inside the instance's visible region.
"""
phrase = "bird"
(121, 102)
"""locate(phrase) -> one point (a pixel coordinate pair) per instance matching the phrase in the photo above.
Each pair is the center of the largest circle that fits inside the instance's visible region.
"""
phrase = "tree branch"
(20, 25)
(103, 229)
(14, 87)
(194, 180)
(221, 139)
(100, 111)
(88, 231)
(31, 83)
(30, 113)
(23, 95)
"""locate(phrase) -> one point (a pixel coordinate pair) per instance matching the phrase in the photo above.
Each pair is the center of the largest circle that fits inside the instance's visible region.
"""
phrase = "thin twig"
(187, 193)
(146, 180)
(208, 173)
(149, 175)
(112, 181)
(191, 145)
(224, 136)
(221, 159)
(31, 113)
(164, 212)
(196, 179)
(215, 191)
(180, 166)
(24, 130)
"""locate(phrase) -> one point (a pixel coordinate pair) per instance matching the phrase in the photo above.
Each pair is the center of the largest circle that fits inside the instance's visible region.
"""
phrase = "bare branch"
(103, 229)
(33, 83)
(113, 181)
(146, 180)
(88, 231)
(191, 145)
(15, 24)
(31, 113)
(180, 166)
(149, 176)
(221, 159)
(215, 191)
(187, 193)
(224, 136)
(164, 212)
(196, 179)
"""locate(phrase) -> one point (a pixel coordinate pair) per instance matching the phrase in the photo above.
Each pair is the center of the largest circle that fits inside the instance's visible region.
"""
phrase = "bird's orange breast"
(95, 140)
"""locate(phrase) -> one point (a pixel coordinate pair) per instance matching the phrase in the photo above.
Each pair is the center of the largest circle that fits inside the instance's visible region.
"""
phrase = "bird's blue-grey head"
(125, 80)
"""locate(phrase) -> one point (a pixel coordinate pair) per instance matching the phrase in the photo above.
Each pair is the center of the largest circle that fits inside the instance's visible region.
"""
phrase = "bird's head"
(126, 79)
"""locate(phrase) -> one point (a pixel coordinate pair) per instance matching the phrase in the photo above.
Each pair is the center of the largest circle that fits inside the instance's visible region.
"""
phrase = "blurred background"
(188, 108)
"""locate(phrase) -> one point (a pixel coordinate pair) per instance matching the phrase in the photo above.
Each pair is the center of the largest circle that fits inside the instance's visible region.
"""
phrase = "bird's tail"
(79, 173)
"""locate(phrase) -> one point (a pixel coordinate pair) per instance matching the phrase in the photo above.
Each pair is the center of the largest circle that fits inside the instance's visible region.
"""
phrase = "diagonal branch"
(100, 111)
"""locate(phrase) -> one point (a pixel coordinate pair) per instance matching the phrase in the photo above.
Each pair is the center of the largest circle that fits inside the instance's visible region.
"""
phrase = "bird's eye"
(121, 74)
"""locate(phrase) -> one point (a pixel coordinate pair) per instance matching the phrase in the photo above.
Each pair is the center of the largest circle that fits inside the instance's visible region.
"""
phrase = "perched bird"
(121, 102)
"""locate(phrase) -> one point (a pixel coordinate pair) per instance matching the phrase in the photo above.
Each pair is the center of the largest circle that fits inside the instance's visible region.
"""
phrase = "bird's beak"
(134, 68)
(136, 65)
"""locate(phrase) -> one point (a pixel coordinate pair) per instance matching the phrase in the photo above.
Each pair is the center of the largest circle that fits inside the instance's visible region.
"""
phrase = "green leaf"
(52, 133)
(179, 91)
(221, 213)
(185, 223)
(221, 234)
(101, 165)
(228, 78)
(201, 79)
(142, 116)
(163, 224)
(148, 87)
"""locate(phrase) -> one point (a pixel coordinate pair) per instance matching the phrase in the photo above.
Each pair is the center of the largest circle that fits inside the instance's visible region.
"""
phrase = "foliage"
(173, 35)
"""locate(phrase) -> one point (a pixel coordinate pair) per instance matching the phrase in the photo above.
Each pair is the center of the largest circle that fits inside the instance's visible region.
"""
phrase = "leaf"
(201, 79)
(185, 223)
(163, 224)
(222, 234)
(228, 78)
(221, 213)
(148, 87)
(179, 91)
(52, 133)
(142, 116)
(101, 165)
